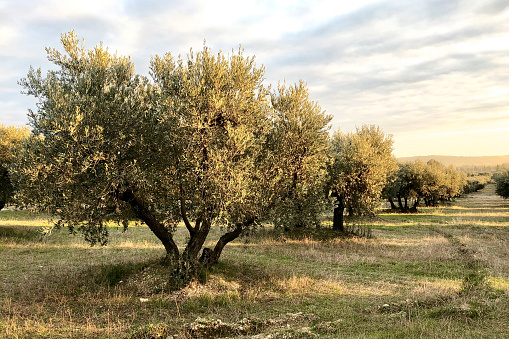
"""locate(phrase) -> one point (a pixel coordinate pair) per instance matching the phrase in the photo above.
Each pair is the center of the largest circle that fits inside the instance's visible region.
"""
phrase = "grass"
(441, 273)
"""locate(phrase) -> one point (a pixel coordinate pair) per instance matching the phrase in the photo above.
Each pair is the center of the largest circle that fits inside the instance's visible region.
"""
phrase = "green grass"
(441, 273)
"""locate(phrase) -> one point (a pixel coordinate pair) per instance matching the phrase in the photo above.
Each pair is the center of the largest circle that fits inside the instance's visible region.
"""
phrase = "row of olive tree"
(477, 181)
(417, 181)
(204, 143)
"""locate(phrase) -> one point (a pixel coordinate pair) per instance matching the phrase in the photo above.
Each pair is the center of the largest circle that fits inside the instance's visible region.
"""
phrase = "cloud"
(411, 67)
(406, 77)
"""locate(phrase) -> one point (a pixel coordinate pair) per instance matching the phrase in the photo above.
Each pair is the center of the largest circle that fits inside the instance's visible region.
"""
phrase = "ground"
(441, 273)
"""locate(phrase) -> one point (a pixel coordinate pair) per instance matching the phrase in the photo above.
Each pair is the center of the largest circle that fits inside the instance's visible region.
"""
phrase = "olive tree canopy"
(298, 145)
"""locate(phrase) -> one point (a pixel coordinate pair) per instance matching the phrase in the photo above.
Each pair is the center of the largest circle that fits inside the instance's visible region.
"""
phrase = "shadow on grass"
(17, 234)
(321, 234)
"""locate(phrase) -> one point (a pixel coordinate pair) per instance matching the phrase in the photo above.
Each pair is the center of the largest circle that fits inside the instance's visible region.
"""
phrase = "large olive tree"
(186, 147)
(214, 115)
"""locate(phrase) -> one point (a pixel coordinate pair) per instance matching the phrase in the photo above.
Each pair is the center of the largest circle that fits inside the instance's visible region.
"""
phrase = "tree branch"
(142, 212)
(183, 212)
(212, 257)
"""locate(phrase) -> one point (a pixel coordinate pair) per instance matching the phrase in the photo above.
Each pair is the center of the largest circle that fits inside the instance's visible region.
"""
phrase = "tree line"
(203, 142)
(428, 182)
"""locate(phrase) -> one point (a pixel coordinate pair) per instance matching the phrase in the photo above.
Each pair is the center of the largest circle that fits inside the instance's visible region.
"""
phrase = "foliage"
(91, 138)
(502, 182)
(11, 138)
(297, 148)
(362, 162)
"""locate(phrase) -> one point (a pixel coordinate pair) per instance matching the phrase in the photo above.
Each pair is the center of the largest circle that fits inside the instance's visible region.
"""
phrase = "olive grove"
(203, 142)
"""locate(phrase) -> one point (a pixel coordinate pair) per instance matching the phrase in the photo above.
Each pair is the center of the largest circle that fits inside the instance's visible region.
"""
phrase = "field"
(441, 273)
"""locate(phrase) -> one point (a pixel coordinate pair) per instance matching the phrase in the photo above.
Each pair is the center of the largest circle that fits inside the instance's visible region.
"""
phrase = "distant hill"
(488, 163)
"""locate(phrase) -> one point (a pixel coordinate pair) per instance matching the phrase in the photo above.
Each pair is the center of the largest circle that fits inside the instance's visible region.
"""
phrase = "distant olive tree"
(417, 181)
(403, 191)
(11, 138)
(502, 184)
(362, 163)
(476, 181)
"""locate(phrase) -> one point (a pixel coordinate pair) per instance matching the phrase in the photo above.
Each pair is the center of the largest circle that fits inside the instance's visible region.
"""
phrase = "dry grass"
(441, 273)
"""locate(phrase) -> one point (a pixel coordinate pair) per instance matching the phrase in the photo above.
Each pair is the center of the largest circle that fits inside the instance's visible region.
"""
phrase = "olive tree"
(108, 144)
(214, 114)
(502, 184)
(11, 138)
(406, 186)
(476, 181)
(297, 149)
(362, 163)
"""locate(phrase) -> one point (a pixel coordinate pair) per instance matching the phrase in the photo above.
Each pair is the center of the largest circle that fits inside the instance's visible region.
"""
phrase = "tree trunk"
(196, 242)
(299, 213)
(414, 207)
(143, 213)
(350, 211)
(400, 203)
(338, 219)
(211, 257)
(393, 206)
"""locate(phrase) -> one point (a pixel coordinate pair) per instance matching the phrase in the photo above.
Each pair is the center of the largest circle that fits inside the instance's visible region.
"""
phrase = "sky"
(434, 74)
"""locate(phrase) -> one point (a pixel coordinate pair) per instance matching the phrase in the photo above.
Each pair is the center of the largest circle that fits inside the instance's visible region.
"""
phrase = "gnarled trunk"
(196, 241)
(338, 219)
